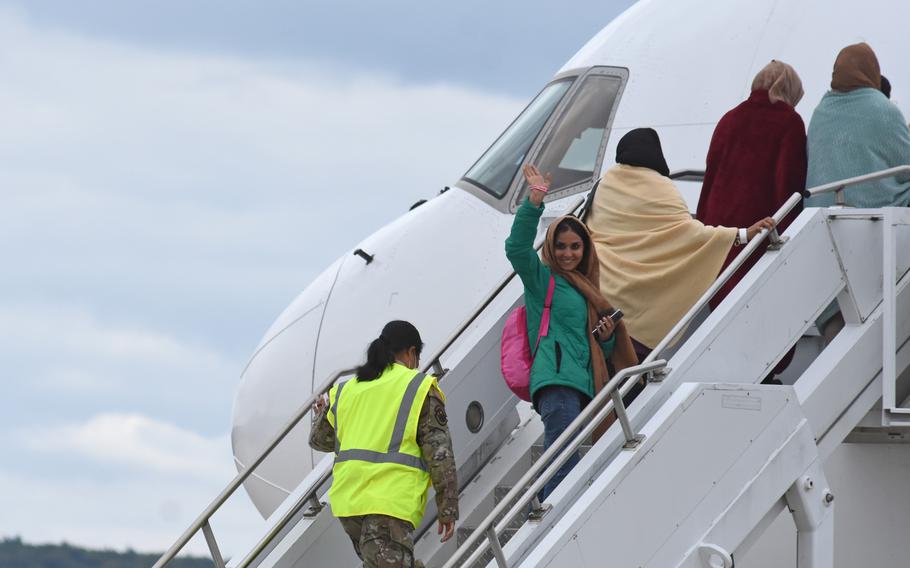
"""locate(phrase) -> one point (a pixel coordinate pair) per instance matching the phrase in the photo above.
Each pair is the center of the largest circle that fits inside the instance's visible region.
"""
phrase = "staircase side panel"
(769, 311)
(640, 502)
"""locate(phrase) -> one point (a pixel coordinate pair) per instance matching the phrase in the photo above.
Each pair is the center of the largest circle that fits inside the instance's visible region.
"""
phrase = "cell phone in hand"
(615, 316)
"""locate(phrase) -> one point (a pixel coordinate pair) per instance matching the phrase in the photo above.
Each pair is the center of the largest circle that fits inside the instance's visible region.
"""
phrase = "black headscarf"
(641, 147)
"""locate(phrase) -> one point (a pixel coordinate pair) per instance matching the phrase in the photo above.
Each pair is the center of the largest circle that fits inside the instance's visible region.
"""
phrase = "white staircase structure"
(706, 465)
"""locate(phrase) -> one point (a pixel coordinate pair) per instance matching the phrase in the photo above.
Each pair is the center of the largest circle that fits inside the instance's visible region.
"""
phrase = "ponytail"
(396, 336)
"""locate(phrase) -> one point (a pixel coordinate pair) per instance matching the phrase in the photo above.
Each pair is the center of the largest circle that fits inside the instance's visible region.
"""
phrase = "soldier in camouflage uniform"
(382, 541)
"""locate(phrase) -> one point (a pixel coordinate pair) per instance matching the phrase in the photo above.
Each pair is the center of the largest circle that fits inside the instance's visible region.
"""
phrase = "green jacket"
(563, 357)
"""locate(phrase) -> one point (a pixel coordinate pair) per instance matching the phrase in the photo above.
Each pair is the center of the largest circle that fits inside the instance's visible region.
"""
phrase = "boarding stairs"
(704, 459)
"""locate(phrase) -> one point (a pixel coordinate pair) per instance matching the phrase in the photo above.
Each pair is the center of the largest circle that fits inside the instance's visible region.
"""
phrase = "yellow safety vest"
(378, 468)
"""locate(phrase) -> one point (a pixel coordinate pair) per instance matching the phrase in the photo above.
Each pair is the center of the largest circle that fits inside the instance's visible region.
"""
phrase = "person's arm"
(322, 434)
(436, 447)
(520, 242)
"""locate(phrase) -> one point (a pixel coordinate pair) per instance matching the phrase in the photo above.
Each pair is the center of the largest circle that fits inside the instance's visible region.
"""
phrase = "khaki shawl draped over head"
(585, 278)
(655, 259)
(781, 82)
(856, 67)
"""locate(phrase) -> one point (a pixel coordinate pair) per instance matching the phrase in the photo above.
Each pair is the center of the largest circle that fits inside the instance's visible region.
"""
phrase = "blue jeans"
(558, 407)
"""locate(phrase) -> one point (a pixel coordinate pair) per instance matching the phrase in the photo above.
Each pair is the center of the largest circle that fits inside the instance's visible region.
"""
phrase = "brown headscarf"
(781, 82)
(586, 279)
(856, 67)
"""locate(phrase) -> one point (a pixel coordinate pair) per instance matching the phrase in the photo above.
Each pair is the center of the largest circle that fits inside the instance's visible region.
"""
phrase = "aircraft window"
(495, 170)
(571, 151)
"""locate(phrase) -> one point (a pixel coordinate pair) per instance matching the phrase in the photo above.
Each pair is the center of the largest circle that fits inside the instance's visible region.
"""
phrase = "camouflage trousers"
(381, 541)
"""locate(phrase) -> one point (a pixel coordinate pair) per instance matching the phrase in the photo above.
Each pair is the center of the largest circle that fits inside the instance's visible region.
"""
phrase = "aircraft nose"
(274, 384)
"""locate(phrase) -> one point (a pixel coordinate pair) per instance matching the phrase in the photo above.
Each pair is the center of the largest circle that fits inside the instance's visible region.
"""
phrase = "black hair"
(577, 227)
(397, 335)
(886, 87)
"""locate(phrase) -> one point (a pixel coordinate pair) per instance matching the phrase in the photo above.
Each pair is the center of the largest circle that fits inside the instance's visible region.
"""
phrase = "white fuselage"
(682, 64)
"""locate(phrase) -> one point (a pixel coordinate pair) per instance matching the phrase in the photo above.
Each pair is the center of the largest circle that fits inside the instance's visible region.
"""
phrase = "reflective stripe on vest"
(393, 455)
(379, 457)
(334, 412)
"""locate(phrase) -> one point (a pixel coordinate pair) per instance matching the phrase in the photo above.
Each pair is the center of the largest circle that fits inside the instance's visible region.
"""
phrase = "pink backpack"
(515, 354)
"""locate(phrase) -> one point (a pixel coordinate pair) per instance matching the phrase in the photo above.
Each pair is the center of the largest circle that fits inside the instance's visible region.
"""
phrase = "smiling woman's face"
(569, 250)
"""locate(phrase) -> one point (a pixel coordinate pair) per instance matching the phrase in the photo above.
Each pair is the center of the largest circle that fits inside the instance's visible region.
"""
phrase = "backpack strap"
(545, 316)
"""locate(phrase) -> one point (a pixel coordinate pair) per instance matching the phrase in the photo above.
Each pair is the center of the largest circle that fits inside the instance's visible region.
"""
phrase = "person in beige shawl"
(655, 259)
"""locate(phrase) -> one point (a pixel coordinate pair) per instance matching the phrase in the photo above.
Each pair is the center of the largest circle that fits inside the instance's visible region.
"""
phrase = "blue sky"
(172, 174)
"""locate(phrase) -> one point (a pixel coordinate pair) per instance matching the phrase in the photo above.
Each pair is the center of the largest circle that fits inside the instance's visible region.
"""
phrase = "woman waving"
(570, 363)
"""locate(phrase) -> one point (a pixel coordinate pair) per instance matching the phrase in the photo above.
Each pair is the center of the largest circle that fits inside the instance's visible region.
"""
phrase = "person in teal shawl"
(856, 130)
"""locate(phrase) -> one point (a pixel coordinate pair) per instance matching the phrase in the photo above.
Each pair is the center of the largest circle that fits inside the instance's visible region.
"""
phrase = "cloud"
(155, 478)
(136, 441)
(176, 185)
(159, 210)
(142, 512)
(63, 329)
(67, 363)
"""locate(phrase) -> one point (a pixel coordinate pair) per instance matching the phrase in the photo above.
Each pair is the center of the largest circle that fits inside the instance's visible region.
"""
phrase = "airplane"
(674, 65)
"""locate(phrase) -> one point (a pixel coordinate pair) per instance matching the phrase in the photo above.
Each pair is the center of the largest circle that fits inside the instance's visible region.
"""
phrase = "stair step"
(537, 451)
(499, 494)
(462, 535)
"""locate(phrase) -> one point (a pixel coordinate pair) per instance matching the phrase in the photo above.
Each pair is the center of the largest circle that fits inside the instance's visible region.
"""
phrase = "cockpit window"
(572, 149)
(495, 170)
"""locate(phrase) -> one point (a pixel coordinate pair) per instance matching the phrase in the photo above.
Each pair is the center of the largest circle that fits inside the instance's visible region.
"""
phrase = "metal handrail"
(486, 528)
(740, 259)
(434, 364)
(203, 520)
(783, 211)
(315, 506)
(839, 186)
(681, 325)
(688, 175)
(527, 487)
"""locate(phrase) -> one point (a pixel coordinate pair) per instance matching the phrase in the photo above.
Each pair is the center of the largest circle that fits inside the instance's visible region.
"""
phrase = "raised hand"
(538, 183)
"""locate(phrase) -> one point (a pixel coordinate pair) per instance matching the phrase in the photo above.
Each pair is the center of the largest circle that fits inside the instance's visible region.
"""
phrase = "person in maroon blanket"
(756, 161)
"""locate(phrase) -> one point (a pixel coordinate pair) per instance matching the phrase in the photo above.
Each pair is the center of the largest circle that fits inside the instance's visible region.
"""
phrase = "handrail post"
(315, 508)
(632, 439)
(495, 547)
(657, 375)
(553, 458)
(889, 319)
(839, 197)
(242, 476)
(213, 545)
(654, 370)
(775, 241)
